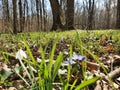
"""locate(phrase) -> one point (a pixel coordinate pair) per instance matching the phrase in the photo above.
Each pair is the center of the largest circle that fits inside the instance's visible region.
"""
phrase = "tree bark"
(108, 8)
(70, 15)
(91, 14)
(6, 15)
(37, 9)
(21, 16)
(44, 15)
(56, 11)
(118, 15)
(14, 16)
(41, 12)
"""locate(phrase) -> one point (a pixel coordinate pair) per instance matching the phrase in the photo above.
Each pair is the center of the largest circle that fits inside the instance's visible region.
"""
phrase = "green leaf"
(73, 85)
(17, 69)
(5, 74)
(86, 83)
(52, 57)
(57, 65)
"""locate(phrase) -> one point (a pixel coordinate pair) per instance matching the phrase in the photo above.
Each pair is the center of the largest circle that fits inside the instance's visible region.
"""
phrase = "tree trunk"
(37, 9)
(70, 15)
(6, 16)
(118, 15)
(44, 15)
(90, 14)
(108, 8)
(14, 16)
(40, 3)
(21, 16)
(56, 11)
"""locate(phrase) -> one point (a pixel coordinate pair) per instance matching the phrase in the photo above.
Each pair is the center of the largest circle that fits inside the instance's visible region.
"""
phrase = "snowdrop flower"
(21, 54)
(39, 60)
(62, 72)
(78, 57)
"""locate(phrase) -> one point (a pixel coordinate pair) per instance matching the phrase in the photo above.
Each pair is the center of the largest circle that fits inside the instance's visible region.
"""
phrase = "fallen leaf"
(12, 88)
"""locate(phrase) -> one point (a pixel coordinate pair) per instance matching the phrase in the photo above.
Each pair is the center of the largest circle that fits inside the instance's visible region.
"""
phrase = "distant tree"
(44, 15)
(38, 19)
(6, 15)
(41, 12)
(108, 15)
(91, 6)
(14, 16)
(84, 16)
(70, 15)
(118, 15)
(57, 15)
(26, 16)
(21, 16)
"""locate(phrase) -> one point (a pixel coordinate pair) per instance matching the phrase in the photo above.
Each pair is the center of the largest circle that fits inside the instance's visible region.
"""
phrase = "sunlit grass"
(46, 75)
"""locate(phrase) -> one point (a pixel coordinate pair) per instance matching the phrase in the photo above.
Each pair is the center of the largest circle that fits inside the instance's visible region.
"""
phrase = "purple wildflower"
(78, 57)
(74, 59)
(69, 61)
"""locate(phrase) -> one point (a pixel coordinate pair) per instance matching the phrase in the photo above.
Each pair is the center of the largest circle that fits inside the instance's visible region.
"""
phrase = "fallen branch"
(114, 74)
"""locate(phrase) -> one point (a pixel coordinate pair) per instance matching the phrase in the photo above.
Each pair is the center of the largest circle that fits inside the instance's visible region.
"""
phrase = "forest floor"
(93, 57)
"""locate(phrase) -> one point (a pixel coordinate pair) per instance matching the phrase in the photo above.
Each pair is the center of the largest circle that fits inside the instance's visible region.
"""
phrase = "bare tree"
(91, 5)
(66, 14)
(70, 15)
(118, 15)
(56, 11)
(6, 16)
(108, 14)
(21, 16)
(41, 12)
(14, 16)
(26, 17)
(37, 9)
(44, 15)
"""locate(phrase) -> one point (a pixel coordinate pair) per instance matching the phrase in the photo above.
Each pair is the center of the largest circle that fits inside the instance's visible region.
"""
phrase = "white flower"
(65, 64)
(62, 72)
(39, 60)
(21, 54)
(65, 52)
(88, 75)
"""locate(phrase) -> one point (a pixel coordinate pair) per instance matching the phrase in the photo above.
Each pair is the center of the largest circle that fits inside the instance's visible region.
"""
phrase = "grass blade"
(57, 65)
(86, 83)
(52, 57)
(73, 85)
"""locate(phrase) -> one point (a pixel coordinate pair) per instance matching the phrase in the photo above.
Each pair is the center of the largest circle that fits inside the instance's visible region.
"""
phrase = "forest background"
(51, 15)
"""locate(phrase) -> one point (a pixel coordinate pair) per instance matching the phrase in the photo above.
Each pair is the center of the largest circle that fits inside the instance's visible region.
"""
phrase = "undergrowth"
(52, 49)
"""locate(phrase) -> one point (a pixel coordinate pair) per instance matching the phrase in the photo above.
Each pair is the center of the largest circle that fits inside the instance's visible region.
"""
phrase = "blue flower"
(78, 57)
(69, 61)
(74, 59)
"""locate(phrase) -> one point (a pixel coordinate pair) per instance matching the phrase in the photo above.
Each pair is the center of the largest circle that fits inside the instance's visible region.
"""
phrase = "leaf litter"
(103, 46)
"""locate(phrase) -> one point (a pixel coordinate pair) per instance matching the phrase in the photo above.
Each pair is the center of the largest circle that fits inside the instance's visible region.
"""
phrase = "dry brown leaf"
(12, 88)
(92, 66)
(109, 47)
(98, 85)
(1, 88)
(5, 67)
